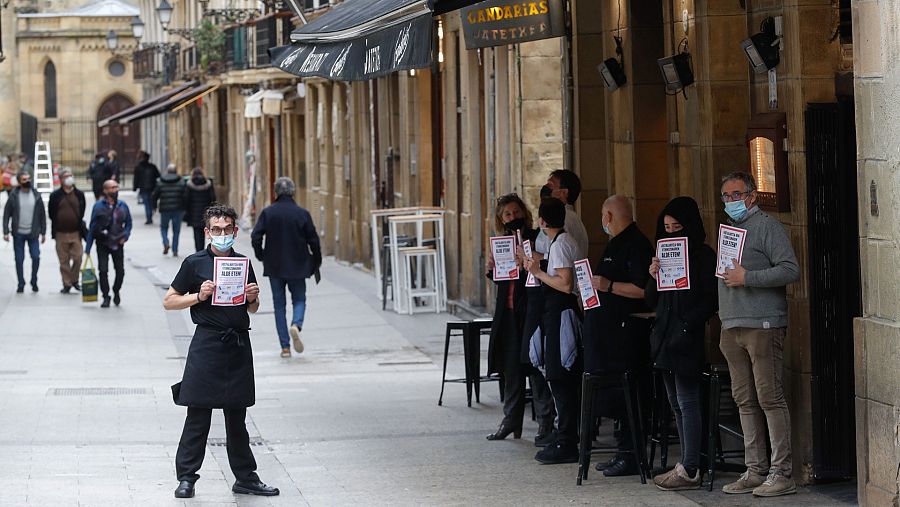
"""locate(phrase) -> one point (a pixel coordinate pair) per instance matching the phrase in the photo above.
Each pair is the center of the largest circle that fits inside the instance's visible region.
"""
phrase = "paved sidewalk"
(87, 417)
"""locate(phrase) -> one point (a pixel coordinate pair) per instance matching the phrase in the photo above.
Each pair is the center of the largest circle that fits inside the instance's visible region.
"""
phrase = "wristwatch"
(609, 290)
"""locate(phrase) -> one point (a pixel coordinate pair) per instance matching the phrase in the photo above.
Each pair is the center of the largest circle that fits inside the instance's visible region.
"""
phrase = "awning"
(445, 6)
(253, 105)
(360, 39)
(146, 104)
(173, 103)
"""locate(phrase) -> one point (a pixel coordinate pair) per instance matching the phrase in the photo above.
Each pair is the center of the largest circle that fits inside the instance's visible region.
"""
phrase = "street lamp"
(112, 41)
(137, 27)
(164, 11)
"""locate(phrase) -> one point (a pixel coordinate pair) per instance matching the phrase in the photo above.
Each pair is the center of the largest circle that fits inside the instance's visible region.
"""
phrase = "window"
(50, 90)
(116, 68)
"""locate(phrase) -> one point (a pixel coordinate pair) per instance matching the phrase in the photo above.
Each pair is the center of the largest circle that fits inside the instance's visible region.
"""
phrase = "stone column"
(876, 43)
(9, 92)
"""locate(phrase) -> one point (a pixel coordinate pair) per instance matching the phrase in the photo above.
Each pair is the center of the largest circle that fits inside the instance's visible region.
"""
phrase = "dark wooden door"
(125, 139)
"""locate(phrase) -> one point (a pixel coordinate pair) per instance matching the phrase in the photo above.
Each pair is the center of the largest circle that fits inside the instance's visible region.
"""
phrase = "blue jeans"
(164, 218)
(279, 300)
(34, 249)
(148, 205)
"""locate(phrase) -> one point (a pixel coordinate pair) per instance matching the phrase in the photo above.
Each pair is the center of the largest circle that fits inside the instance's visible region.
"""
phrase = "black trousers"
(199, 238)
(566, 393)
(192, 447)
(118, 258)
(514, 375)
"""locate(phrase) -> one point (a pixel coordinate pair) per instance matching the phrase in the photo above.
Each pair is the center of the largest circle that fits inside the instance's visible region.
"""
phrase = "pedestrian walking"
(66, 207)
(677, 339)
(555, 351)
(508, 348)
(111, 228)
(145, 176)
(24, 218)
(218, 372)
(115, 167)
(754, 312)
(99, 172)
(290, 255)
(199, 195)
(168, 197)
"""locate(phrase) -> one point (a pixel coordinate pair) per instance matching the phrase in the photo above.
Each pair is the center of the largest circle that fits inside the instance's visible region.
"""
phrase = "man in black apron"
(218, 372)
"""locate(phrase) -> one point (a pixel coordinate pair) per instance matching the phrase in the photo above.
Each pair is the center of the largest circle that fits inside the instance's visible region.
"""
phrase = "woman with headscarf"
(508, 351)
(677, 340)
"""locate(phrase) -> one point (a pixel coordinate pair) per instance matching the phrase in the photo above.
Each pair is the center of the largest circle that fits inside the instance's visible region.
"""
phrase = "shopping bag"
(88, 281)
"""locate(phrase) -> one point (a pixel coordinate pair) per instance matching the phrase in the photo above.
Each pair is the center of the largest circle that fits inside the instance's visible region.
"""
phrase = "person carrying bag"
(88, 281)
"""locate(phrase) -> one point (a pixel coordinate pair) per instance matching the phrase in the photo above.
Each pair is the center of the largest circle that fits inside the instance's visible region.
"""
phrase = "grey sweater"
(771, 264)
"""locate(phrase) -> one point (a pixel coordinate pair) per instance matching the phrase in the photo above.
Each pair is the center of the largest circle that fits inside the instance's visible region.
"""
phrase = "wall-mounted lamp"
(137, 28)
(676, 71)
(112, 44)
(763, 48)
(612, 69)
(164, 12)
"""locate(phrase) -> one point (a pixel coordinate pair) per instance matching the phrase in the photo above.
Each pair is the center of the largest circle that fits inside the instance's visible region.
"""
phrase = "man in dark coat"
(291, 255)
(199, 194)
(66, 209)
(218, 371)
(145, 176)
(111, 227)
(168, 197)
(24, 217)
(99, 172)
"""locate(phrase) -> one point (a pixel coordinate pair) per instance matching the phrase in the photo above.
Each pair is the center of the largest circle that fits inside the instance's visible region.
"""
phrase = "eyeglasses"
(218, 231)
(734, 196)
(504, 199)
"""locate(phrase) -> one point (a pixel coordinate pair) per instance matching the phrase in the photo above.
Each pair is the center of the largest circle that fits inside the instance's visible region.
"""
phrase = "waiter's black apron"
(218, 372)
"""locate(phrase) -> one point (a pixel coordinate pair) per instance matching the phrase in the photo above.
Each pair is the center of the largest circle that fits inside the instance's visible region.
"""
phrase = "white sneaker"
(295, 337)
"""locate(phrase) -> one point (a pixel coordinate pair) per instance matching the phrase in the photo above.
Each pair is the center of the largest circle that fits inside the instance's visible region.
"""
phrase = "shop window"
(766, 136)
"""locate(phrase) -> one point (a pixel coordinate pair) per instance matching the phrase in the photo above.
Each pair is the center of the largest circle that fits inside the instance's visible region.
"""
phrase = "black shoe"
(165, 249)
(606, 464)
(20, 289)
(622, 467)
(65, 290)
(254, 488)
(34, 287)
(546, 435)
(504, 431)
(557, 453)
(76, 286)
(116, 299)
(148, 222)
(174, 253)
(105, 303)
(185, 489)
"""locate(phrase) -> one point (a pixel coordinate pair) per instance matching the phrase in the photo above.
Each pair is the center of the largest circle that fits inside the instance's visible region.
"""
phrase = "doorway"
(124, 139)
(834, 283)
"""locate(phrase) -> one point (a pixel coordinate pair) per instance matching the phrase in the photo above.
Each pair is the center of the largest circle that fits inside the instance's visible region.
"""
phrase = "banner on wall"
(502, 22)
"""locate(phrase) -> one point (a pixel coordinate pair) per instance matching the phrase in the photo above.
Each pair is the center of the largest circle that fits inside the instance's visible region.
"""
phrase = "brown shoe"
(286, 352)
(776, 484)
(677, 480)
(746, 484)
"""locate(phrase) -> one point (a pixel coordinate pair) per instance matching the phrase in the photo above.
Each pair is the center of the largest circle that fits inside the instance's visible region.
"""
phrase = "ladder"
(43, 167)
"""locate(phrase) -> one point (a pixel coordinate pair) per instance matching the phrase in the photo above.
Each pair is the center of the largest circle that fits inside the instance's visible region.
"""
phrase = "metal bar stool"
(719, 382)
(425, 258)
(470, 331)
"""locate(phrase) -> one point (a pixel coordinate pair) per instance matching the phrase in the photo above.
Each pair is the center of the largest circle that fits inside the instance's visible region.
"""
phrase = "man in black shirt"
(614, 340)
(218, 372)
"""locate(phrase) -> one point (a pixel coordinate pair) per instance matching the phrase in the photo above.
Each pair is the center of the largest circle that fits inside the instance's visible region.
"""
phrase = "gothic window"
(50, 90)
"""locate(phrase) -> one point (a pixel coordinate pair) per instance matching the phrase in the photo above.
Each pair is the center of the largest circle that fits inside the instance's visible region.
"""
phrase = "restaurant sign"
(501, 22)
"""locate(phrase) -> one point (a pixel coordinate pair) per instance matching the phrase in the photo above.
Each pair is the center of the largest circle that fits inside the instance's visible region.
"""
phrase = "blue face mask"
(223, 243)
(606, 230)
(737, 210)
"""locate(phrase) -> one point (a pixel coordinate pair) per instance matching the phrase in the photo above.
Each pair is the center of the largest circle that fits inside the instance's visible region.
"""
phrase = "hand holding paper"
(735, 277)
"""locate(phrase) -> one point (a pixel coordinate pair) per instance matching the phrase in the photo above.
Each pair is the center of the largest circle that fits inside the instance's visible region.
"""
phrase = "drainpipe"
(568, 91)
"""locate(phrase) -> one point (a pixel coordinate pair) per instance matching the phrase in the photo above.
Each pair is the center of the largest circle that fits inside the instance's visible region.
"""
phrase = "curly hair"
(216, 210)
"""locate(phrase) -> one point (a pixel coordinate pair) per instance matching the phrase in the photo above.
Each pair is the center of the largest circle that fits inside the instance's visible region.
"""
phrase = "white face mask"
(69, 181)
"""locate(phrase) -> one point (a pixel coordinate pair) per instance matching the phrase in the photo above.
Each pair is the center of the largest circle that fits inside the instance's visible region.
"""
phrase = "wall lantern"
(766, 135)
(164, 11)
(612, 69)
(763, 48)
(112, 41)
(676, 71)
(137, 27)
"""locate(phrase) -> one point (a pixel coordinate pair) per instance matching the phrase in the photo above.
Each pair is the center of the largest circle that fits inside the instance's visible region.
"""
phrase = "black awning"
(445, 6)
(360, 39)
(147, 104)
(173, 103)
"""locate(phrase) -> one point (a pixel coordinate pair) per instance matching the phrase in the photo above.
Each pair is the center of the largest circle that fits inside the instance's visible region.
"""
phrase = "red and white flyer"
(531, 281)
(583, 274)
(504, 251)
(731, 246)
(230, 278)
(674, 267)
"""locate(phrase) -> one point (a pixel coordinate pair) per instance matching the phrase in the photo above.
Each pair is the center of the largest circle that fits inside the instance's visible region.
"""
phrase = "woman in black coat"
(507, 351)
(677, 340)
(199, 194)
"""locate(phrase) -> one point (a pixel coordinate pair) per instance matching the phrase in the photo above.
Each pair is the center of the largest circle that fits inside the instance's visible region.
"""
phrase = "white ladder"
(43, 167)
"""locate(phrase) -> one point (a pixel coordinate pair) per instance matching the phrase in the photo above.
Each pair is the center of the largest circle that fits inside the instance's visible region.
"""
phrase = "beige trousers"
(69, 250)
(755, 361)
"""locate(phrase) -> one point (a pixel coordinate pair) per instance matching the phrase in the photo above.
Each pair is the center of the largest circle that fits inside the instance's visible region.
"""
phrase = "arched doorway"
(125, 139)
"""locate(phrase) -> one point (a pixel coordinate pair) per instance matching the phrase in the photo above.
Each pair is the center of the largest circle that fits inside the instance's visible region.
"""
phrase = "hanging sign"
(502, 22)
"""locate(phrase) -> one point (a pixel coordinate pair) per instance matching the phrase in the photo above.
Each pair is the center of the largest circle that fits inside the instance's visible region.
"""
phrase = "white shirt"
(573, 226)
(563, 254)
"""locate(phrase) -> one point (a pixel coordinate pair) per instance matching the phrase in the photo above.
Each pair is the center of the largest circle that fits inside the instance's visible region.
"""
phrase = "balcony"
(156, 61)
(247, 45)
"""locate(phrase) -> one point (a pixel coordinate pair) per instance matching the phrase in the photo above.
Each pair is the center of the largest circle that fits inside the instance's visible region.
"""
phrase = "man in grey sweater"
(753, 310)
(24, 217)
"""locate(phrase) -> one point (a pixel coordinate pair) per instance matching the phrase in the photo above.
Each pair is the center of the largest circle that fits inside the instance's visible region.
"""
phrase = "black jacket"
(291, 248)
(199, 194)
(677, 339)
(11, 215)
(169, 193)
(53, 206)
(509, 345)
(145, 176)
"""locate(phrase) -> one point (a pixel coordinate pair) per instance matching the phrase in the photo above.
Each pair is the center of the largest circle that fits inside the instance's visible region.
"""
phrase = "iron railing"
(156, 61)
